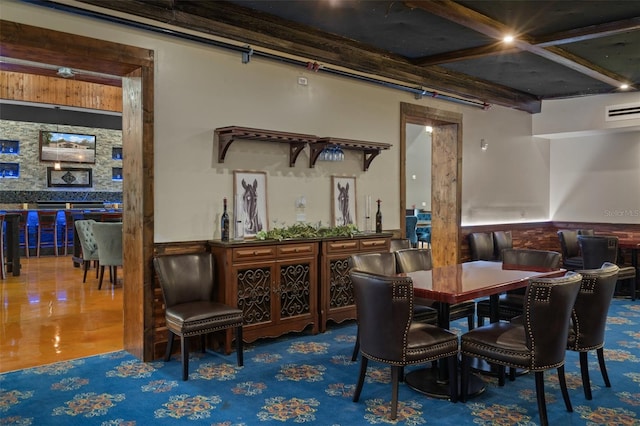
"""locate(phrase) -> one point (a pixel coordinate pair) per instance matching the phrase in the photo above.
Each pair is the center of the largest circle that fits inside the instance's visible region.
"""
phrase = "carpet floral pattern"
(303, 378)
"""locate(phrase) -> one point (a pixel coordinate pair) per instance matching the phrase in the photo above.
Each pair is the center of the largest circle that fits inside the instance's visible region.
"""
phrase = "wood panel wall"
(59, 91)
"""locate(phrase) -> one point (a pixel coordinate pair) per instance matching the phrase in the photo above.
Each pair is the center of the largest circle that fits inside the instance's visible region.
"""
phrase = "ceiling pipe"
(248, 52)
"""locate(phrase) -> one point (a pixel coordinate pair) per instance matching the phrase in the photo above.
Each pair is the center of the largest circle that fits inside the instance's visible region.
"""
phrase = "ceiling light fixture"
(508, 38)
(624, 86)
(65, 72)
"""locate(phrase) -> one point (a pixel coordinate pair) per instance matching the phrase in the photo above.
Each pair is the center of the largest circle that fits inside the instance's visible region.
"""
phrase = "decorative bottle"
(378, 219)
(224, 227)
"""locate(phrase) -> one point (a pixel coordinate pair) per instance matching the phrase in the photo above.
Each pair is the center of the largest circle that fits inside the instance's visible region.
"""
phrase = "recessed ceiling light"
(508, 38)
(624, 86)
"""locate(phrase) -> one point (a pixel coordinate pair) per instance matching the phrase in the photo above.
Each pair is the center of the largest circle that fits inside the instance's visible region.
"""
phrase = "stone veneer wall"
(31, 186)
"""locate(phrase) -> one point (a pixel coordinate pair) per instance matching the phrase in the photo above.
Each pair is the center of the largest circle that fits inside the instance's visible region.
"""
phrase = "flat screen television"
(67, 147)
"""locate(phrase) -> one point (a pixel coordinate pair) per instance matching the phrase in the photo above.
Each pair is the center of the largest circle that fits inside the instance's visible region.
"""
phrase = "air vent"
(623, 112)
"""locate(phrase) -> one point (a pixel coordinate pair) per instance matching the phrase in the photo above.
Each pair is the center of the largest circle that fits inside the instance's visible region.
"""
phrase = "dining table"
(458, 283)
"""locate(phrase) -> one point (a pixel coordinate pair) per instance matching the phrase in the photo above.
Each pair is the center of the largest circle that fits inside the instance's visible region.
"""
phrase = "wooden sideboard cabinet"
(274, 283)
(336, 290)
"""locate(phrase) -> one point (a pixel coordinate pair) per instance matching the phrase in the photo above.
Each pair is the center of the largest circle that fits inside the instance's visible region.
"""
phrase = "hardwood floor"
(49, 315)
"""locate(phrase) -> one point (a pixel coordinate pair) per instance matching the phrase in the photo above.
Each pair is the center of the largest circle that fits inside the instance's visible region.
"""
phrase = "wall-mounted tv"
(67, 147)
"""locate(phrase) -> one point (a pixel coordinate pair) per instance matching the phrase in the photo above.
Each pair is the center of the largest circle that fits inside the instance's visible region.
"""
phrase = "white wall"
(418, 167)
(200, 88)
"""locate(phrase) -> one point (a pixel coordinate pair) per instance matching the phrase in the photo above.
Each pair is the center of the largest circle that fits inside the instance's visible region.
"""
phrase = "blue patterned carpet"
(308, 379)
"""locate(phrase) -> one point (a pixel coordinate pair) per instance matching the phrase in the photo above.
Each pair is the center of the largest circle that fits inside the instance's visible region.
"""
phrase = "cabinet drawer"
(340, 246)
(374, 244)
(296, 249)
(247, 253)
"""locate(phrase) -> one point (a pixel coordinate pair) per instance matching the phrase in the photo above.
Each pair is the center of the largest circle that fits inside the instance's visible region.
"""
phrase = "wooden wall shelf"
(225, 136)
(370, 150)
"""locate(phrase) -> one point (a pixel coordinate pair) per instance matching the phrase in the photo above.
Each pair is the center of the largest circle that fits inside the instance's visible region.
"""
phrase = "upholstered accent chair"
(598, 249)
(385, 264)
(481, 246)
(189, 286)
(571, 257)
(529, 344)
(511, 303)
(389, 335)
(411, 223)
(84, 228)
(589, 318)
(108, 237)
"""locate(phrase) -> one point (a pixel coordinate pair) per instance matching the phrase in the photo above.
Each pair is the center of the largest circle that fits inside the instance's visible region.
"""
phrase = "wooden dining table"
(459, 283)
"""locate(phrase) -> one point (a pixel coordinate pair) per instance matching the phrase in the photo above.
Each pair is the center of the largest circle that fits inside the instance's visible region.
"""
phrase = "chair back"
(481, 246)
(47, 219)
(589, 315)
(399, 244)
(547, 310)
(536, 259)
(84, 228)
(411, 224)
(586, 232)
(186, 278)
(501, 240)
(375, 263)
(111, 217)
(108, 237)
(569, 243)
(384, 307)
(597, 250)
(410, 260)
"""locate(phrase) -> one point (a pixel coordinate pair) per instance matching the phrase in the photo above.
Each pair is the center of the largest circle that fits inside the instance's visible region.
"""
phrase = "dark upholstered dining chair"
(189, 286)
(388, 334)
(589, 318)
(399, 244)
(385, 264)
(511, 303)
(571, 257)
(529, 344)
(501, 240)
(411, 260)
(598, 249)
(481, 246)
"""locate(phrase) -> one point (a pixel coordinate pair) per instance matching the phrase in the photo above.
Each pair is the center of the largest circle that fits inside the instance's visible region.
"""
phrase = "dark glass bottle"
(224, 227)
(378, 219)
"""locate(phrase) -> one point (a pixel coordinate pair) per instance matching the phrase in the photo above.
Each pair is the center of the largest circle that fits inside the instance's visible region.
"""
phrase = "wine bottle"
(224, 227)
(378, 219)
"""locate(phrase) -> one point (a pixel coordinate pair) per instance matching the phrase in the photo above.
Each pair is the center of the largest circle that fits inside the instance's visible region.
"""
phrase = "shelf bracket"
(295, 148)
(367, 156)
(316, 149)
(224, 142)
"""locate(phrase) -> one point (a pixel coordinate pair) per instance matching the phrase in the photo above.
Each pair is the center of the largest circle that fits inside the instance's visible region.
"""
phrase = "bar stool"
(3, 272)
(47, 222)
(23, 230)
(70, 218)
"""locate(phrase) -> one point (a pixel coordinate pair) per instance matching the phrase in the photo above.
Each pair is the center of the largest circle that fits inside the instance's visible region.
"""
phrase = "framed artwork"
(343, 200)
(67, 147)
(250, 206)
(69, 177)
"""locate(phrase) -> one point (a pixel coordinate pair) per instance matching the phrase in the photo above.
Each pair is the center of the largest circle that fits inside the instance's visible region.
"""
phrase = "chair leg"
(464, 377)
(85, 266)
(603, 367)
(101, 276)
(584, 370)
(239, 346)
(453, 378)
(185, 359)
(203, 343)
(363, 371)
(167, 355)
(542, 405)
(356, 347)
(502, 372)
(470, 321)
(395, 373)
(563, 388)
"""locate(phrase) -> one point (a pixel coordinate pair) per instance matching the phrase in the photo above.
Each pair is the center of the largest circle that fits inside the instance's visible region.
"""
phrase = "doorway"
(446, 177)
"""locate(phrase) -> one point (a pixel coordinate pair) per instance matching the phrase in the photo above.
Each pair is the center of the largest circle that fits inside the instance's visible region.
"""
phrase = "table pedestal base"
(426, 381)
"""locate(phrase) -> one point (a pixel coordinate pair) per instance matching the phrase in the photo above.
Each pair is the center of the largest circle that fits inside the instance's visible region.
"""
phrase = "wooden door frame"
(446, 178)
(136, 67)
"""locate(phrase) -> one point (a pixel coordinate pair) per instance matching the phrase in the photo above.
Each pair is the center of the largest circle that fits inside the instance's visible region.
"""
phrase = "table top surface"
(629, 244)
(470, 280)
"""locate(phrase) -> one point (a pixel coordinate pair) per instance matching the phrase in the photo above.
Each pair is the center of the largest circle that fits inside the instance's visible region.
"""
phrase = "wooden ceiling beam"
(471, 19)
(233, 22)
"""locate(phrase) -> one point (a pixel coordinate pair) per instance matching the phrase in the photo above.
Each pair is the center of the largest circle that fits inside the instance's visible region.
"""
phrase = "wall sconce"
(484, 145)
